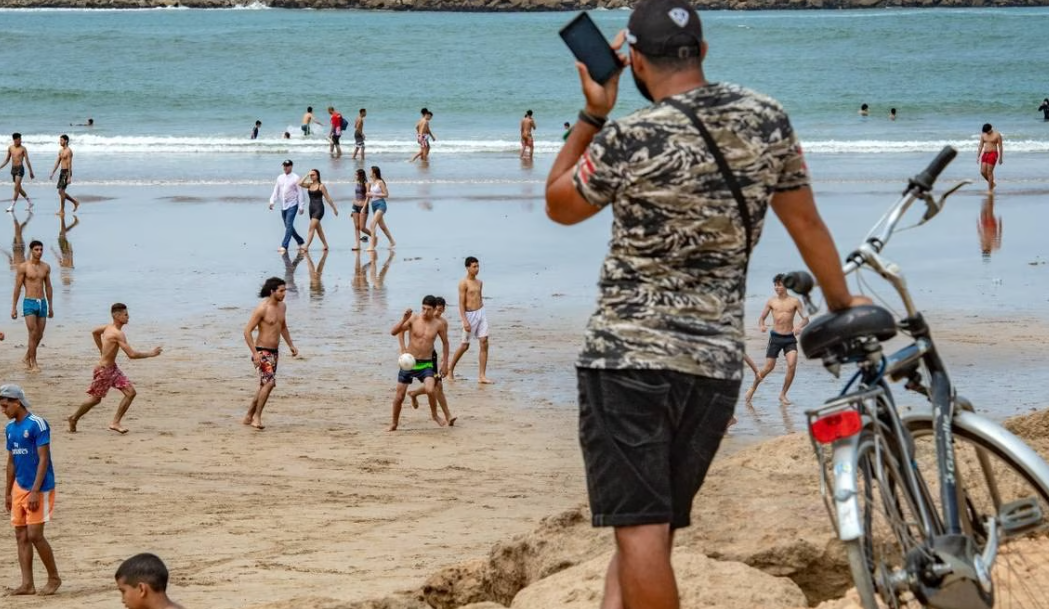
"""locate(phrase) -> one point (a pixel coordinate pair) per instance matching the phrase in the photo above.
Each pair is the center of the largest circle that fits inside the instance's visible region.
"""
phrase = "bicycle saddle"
(834, 330)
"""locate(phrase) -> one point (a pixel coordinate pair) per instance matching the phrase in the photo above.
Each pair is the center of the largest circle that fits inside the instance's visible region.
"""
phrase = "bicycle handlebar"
(924, 180)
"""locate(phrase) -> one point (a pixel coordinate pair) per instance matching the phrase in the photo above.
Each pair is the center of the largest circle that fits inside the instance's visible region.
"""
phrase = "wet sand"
(324, 502)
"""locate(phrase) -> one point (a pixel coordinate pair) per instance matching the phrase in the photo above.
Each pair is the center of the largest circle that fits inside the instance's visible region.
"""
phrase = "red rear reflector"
(831, 427)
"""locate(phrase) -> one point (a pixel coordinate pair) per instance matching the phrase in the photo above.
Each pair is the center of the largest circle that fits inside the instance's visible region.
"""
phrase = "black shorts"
(780, 342)
(648, 438)
(335, 138)
(63, 179)
(405, 377)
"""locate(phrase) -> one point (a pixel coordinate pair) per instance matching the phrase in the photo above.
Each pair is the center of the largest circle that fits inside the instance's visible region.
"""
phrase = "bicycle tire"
(890, 525)
(1019, 581)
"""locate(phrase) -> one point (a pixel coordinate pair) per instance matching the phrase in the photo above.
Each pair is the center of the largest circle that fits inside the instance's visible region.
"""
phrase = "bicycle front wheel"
(891, 527)
(990, 481)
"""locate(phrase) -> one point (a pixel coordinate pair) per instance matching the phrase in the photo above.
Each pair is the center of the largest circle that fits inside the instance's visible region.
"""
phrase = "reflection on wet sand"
(368, 281)
(990, 229)
(289, 271)
(17, 254)
(64, 253)
(316, 282)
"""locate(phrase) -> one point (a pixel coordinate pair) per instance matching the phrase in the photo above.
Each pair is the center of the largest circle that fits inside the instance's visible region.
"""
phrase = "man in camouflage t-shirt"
(661, 365)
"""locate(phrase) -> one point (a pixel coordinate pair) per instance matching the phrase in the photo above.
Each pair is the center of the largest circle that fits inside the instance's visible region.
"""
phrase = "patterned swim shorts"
(267, 367)
(106, 378)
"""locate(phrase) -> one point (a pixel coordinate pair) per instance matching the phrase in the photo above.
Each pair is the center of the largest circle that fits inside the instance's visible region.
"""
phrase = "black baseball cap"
(665, 28)
(287, 163)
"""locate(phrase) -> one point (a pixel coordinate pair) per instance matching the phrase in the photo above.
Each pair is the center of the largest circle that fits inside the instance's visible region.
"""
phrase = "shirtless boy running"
(269, 317)
(18, 156)
(782, 338)
(989, 154)
(35, 275)
(423, 135)
(423, 329)
(438, 390)
(475, 322)
(65, 176)
(110, 339)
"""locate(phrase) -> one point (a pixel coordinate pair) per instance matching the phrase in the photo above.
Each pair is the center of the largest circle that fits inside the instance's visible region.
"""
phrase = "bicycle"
(935, 508)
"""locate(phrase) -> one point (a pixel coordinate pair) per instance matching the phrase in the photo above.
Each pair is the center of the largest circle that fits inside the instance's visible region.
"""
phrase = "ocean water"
(174, 93)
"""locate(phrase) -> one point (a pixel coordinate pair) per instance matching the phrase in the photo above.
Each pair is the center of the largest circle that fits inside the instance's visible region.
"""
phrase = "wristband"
(596, 122)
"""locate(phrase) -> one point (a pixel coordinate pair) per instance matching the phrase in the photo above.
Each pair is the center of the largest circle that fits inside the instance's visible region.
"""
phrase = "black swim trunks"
(358, 139)
(780, 342)
(63, 179)
(17, 171)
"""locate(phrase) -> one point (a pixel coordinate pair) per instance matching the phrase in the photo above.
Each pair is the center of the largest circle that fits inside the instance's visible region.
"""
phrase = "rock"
(458, 585)
(702, 581)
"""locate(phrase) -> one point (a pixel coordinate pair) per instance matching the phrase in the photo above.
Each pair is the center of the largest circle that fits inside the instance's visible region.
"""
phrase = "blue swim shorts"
(34, 306)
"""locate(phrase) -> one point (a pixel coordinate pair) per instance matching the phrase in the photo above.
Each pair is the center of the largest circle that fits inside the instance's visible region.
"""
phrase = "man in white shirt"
(288, 192)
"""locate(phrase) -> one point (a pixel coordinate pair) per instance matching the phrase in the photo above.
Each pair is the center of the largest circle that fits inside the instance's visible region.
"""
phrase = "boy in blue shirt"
(30, 489)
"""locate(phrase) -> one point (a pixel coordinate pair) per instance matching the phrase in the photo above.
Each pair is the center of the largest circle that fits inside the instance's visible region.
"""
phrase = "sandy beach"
(325, 503)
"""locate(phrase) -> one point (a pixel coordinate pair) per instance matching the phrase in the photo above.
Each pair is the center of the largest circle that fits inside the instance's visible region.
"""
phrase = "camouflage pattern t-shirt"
(672, 285)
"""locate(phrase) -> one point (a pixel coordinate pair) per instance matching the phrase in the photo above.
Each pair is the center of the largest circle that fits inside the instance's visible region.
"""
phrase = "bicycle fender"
(846, 500)
(997, 436)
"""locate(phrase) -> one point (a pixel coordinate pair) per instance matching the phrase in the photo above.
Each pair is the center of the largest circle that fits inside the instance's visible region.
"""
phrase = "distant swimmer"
(568, 131)
(527, 140)
(358, 134)
(989, 154)
(892, 114)
(338, 124)
(423, 330)
(287, 135)
(270, 319)
(377, 194)
(318, 194)
(18, 156)
(255, 131)
(359, 211)
(143, 583)
(110, 340)
(782, 338)
(90, 123)
(65, 176)
(35, 276)
(474, 319)
(423, 135)
(865, 110)
(1044, 108)
(308, 121)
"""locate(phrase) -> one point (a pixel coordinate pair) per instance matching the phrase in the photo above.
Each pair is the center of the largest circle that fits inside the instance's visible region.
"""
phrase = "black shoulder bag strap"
(726, 171)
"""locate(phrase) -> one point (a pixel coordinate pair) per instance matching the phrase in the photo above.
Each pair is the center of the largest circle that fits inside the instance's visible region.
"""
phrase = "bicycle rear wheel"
(891, 527)
(988, 479)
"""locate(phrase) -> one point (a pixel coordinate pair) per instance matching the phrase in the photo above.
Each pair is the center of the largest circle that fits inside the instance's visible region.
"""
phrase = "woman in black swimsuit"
(318, 194)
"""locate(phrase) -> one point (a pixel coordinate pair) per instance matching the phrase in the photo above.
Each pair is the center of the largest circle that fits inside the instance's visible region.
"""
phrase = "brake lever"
(809, 305)
(934, 206)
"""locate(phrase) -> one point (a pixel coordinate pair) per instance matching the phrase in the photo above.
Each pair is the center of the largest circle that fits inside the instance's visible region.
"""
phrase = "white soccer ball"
(406, 361)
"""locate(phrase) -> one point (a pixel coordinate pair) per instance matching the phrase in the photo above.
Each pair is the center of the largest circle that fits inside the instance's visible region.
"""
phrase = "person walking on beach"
(18, 156)
(783, 337)
(358, 134)
(270, 319)
(377, 194)
(143, 583)
(65, 176)
(438, 388)
(289, 193)
(474, 319)
(423, 329)
(308, 121)
(35, 276)
(110, 340)
(30, 488)
(334, 148)
(989, 154)
(318, 194)
(359, 211)
(666, 341)
(423, 135)
(527, 141)
(255, 130)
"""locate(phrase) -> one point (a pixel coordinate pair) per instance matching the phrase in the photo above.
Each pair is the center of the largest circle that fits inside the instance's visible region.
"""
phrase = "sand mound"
(703, 582)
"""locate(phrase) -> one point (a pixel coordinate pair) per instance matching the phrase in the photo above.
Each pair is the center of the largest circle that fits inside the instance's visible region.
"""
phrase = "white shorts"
(478, 325)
